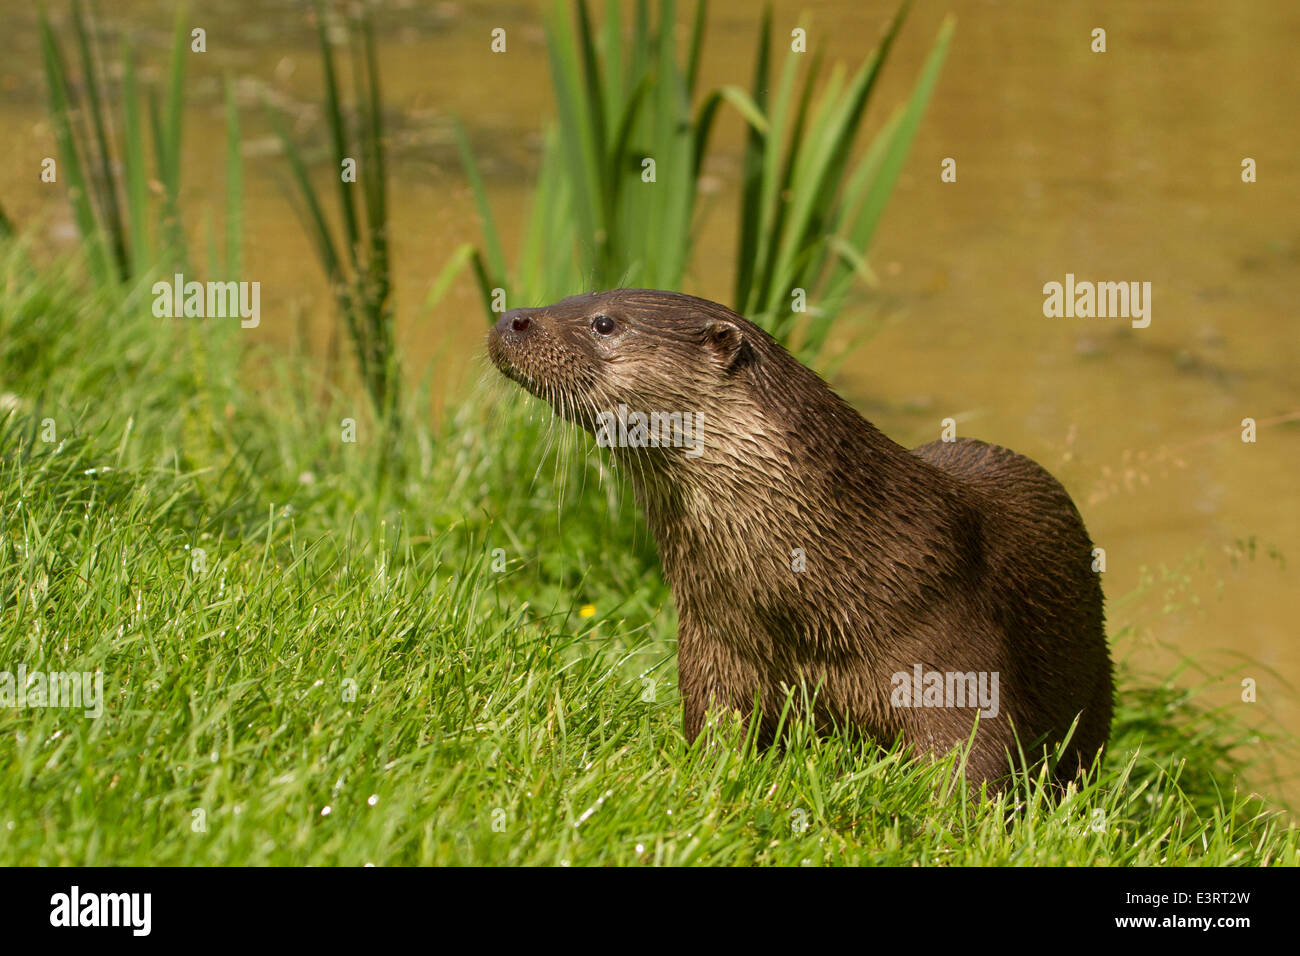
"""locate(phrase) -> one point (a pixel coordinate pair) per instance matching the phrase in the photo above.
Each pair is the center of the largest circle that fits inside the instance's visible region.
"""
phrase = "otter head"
(613, 362)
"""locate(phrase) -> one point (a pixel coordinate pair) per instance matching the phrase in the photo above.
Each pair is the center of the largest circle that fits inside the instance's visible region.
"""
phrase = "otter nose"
(516, 320)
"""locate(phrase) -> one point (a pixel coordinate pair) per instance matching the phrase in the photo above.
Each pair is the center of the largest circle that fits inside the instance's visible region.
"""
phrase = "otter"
(907, 590)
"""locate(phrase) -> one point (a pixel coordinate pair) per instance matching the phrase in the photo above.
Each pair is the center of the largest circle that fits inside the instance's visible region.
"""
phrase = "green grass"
(492, 722)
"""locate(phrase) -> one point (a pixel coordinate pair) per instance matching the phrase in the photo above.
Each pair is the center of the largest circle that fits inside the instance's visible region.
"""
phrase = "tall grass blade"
(234, 188)
(101, 172)
(379, 277)
(167, 128)
(56, 76)
(334, 120)
(134, 169)
(901, 140)
(752, 172)
(495, 268)
(696, 45)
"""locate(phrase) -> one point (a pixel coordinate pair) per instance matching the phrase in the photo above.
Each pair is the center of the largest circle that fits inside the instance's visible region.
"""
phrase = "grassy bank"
(344, 676)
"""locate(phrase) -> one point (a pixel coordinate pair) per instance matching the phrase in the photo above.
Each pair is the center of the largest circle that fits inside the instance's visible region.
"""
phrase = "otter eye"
(602, 324)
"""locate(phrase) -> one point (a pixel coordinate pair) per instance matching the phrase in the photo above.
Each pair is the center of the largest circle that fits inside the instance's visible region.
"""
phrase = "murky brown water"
(1122, 166)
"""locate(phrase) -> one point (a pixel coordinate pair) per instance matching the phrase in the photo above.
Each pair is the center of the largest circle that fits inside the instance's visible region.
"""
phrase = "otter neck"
(752, 530)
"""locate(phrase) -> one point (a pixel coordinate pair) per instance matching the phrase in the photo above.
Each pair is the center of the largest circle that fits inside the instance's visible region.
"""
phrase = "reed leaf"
(234, 188)
(101, 171)
(58, 85)
(167, 132)
(808, 210)
(111, 199)
(134, 170)
(360, 275)
(495, 267)
(901, 138)
(334, 120)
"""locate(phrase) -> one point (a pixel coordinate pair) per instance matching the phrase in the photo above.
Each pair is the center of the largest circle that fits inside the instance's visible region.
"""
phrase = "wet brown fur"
(958, 556)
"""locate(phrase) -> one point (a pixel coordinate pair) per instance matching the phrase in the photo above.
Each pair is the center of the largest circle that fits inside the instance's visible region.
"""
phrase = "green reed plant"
(357, 266)
(808, 211)
(108, 175)
(617, 187)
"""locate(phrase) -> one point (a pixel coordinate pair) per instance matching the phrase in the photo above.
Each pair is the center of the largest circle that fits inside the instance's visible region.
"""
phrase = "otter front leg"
(692, 679)
(711, 675)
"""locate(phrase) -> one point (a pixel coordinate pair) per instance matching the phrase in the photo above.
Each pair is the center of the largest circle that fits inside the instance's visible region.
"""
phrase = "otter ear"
(728, 342)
